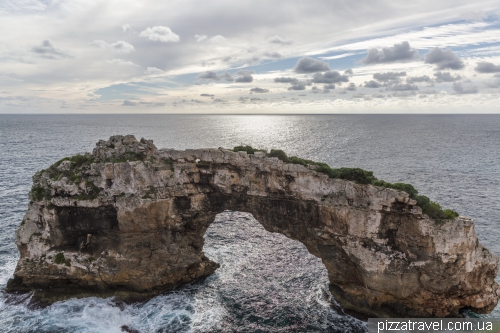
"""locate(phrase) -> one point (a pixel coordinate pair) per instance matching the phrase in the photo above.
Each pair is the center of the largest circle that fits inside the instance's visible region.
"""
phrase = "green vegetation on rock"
(38, 193)
(431, 208)
(59, 259)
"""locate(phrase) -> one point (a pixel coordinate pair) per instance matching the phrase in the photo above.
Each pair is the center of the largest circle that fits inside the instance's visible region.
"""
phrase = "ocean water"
(266, 283)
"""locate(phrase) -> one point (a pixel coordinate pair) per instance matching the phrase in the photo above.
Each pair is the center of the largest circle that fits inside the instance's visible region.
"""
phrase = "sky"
(252, 57)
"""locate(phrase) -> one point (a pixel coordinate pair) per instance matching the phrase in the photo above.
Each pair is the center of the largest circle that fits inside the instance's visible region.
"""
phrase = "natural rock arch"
(130, 220)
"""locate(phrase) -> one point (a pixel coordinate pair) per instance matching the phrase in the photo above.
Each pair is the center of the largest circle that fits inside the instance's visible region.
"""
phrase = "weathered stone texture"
(143, 233)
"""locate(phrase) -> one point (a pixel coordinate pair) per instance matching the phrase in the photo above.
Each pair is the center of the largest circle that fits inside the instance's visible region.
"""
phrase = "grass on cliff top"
(431, 208)
(73, 173)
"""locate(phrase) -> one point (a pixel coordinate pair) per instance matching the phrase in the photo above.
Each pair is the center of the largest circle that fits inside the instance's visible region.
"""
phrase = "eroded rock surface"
(129, 220)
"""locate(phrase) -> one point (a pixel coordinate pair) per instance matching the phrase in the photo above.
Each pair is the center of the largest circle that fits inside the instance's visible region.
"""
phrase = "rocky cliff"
(129, 220)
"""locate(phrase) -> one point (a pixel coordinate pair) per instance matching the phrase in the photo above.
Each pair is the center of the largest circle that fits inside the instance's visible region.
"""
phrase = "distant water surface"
(266, 283)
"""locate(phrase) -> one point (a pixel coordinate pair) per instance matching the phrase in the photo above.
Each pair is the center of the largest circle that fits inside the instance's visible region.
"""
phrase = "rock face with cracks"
(129, 220)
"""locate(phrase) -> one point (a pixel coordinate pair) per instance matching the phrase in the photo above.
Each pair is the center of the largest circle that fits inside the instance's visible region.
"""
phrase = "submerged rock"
(129, 219)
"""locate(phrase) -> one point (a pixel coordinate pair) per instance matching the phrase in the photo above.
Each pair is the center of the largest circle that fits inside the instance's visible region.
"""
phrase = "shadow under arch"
(267, 281)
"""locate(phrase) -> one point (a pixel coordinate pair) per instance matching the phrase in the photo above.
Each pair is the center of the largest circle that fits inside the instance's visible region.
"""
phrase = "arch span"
(134, 220)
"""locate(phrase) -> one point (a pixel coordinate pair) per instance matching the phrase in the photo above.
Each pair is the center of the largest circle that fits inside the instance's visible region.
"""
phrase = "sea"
(266, 282)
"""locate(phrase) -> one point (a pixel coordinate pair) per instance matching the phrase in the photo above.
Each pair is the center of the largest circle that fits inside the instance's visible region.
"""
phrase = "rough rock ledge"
(129, 220)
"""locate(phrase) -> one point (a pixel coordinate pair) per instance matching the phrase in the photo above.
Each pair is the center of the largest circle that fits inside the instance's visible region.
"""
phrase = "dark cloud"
(310, 65)
(275, 55)
(487, 67)
(259, 90)
(358, 95)
(372, 84)
(196, 101)
(152, 103)
(496, 75)
(47, 49)
(329, 77)
(209, 75)
(298, 86)
(329, 86)
(256, 99)
(228, 77)
(351, 87)
(315, 90)
(285, 80)
(388, 76)
(398, 52)
(348, 72)
(218, 100)
(244, 79)
(245, 72)
(413, 79)
(458, 88)
(403, 87)
(280, 40)
(207, 95)
(443, 59)
(446, 77)
(128, 103)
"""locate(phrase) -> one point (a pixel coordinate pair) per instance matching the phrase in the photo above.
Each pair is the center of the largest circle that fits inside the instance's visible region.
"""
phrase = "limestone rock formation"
(129, 220)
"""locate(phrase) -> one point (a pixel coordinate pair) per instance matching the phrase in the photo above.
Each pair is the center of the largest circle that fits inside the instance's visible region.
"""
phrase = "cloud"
(119, 46)
(413, 79)
(245, 72)
(398, 53)
(207, 95)
(197, 101)
(285, 80)
(446, 77)
(487, 67)
(351, 87)
(372, 84)
(228, 77)
(217, 39)
(280, 40)
(160, 34)
(403, 87)
(403, 93)
(47, 49)
(275, 55)
(153, 70)
(310, 65)
(329, 77)
(328, 86)
(126, 27)
(120, 62)
(388, 76)
(443, 59)
(298, 86)
(209, 75)
(259, 90)
(348, 72)
(244, 78)
(128, 103)
(200, 38)
(458, 88)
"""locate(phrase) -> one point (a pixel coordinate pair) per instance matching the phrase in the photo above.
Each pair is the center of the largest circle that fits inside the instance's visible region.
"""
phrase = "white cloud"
(120, 62)
(153, 70)
(160, 34)
(200, 38)
(217, 39)
(126, 27)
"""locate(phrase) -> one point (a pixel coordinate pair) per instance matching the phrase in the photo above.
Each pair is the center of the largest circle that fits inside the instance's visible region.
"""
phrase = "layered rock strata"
(130, 219)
